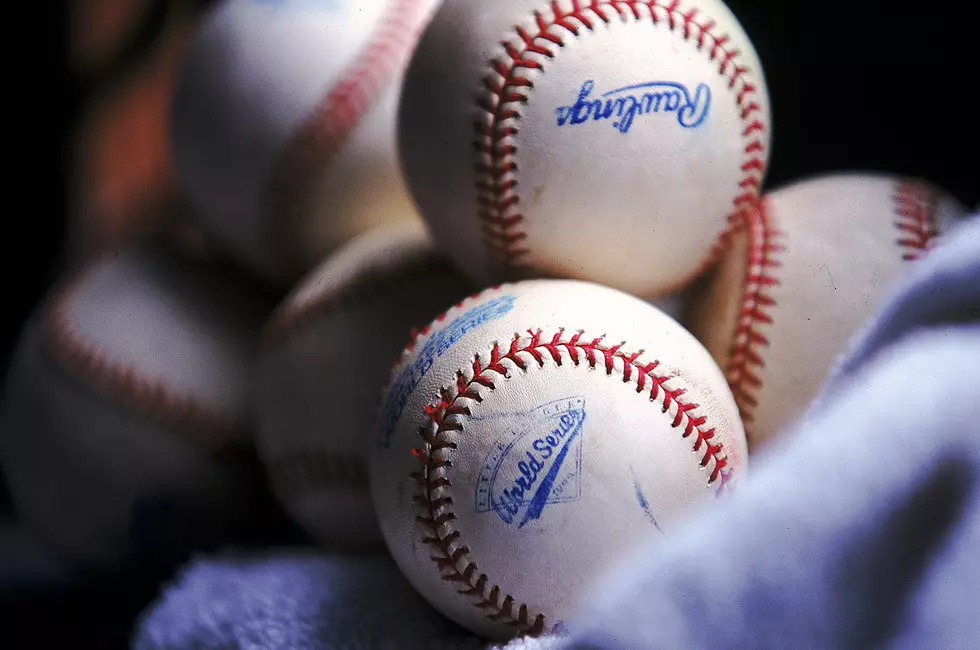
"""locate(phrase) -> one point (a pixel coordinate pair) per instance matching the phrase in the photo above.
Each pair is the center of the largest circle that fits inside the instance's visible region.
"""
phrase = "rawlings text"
(624, 104)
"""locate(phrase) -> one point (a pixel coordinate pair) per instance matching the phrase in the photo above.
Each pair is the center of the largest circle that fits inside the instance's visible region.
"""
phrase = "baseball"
(125, 421)
(541, 425)
(593, 139)
(283, 125)
(325, 356)
(811, 267)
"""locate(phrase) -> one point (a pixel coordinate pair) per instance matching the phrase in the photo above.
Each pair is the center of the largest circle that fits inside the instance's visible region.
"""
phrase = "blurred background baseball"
(92, 81)
(95, 99)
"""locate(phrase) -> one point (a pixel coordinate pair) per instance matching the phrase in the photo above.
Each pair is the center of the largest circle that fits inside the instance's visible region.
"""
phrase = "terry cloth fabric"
(299, 600)
(860, 527)
(857, 529)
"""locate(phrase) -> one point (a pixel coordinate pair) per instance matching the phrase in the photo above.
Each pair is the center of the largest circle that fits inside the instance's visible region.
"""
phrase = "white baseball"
(284, 125)
(536, 433)
(324, 360)
(125, 423)
(812, 267)
(605, 140)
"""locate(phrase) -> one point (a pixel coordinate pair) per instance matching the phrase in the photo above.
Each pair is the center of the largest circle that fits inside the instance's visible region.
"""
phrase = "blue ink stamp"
(624, 104)
(541, 464)
(437, 345)
(642, 500)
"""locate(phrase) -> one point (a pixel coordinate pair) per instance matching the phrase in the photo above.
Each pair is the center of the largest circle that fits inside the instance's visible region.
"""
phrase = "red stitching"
(915, 205)
(444, 417)
(312, 147)
(746, 360)
(299, 472)
(124, 383)
(418, 333)
(498, 204)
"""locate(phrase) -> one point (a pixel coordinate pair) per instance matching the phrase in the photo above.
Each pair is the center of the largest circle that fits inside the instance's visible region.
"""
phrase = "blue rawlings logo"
(540, 465)
(437, 344)
(623, 105)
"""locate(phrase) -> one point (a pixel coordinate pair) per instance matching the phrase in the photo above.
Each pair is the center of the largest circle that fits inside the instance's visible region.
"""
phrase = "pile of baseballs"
(498, 285)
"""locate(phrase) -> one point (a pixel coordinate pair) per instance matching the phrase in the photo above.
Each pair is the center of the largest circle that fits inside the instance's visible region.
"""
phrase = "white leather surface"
(94, 471)
(177, 322)
(840, 256)
(638, 210)
(625, 474)
(254, 74)
(320, 378)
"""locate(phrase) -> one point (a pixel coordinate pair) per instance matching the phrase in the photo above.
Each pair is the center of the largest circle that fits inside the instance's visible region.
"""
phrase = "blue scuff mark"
(642, 500)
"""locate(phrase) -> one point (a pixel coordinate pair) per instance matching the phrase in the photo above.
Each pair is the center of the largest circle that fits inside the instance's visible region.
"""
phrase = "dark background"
(858, 85)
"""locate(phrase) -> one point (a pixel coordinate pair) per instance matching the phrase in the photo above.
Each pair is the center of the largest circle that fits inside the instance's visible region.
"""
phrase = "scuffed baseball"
(325, 357)
(811, 266)
(535, 433)
(126, 434)
(284, 125)
(592, 139)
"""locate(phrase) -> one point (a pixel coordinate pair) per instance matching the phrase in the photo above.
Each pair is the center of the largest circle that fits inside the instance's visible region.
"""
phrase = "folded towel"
(857, 529)
(860, 527)
(298, 599)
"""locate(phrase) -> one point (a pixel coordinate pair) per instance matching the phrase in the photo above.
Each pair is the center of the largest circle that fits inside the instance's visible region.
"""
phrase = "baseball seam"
(310, 149)
(915, 206)
(296, 472)
(508, 88)
(451, 556)
(424, 331)
(755, 311)
(92, 367)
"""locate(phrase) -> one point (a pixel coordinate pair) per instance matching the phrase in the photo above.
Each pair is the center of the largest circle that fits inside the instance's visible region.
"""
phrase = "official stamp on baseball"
(438, 344)
(536, 463)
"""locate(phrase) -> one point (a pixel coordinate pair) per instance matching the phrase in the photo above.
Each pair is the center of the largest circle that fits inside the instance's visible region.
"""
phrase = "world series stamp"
(534, 464)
